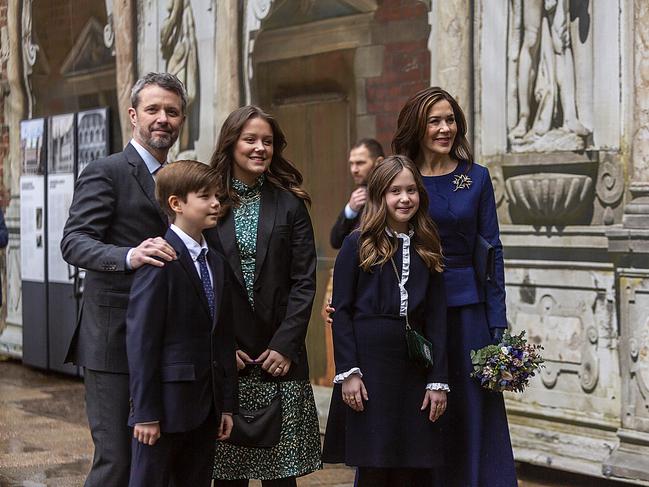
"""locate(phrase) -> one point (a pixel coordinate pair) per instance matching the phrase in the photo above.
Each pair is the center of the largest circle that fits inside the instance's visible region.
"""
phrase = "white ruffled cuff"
(339, 379)
(437, 386)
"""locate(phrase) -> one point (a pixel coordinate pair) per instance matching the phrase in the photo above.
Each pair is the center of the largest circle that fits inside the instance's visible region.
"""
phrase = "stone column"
(124, 27)
(16, 109)
(636, 213)
(629, 244)
(451, 46)
(227, 94)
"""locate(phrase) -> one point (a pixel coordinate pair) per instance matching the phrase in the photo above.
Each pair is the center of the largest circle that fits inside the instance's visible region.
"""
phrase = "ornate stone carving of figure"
(180, 50)
(30, 50)
(545, 90)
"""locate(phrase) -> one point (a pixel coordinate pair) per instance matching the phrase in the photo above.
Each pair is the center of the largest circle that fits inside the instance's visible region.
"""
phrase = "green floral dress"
(298, 450)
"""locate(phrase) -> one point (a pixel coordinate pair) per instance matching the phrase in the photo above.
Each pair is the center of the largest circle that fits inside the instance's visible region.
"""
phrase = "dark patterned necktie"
(205, 278)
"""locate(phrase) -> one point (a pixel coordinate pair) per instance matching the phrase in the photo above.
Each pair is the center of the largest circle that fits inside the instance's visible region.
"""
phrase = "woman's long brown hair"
(413, 121)
(375, 245)
(281, 172)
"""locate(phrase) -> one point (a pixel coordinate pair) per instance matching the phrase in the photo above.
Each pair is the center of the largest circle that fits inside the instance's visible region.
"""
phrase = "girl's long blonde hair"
(375, 245)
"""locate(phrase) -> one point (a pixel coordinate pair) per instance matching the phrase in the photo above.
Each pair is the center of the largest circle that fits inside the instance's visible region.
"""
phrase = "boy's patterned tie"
(205, 277)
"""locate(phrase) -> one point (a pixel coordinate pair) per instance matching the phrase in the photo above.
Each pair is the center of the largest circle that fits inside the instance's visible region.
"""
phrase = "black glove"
(497, 335)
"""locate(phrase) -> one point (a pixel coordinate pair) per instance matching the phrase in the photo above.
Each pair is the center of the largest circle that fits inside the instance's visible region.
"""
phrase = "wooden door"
(317, 132)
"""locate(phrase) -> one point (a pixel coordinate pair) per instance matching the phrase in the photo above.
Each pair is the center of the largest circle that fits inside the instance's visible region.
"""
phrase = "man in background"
(363, 156)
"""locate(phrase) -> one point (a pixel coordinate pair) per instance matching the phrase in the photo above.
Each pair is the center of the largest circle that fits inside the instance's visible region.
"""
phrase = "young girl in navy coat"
(385, 406)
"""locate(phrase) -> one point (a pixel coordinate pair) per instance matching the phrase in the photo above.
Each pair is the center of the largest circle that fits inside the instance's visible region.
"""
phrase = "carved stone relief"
(256, 11)
(569, 335)
(549, 75)
(570, 311)
(180, 51)
(547, 198)
(30, 51)
(635, 350)
(109, 30)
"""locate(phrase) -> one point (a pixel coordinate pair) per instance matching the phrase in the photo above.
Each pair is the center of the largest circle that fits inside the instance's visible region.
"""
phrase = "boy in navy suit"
(180, 341)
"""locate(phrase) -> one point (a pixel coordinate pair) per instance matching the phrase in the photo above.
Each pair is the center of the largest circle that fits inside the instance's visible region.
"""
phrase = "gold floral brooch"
(461, 181)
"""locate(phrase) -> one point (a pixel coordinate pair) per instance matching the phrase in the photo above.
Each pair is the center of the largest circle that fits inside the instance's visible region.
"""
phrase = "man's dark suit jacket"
(342, 228)
(285, 276)
(113, 210)
(181, 361)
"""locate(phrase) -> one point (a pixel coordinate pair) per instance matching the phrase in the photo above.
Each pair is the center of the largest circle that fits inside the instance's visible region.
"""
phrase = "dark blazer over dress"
(479, 447)
(283, 298)
(392, 431)
(272, 307)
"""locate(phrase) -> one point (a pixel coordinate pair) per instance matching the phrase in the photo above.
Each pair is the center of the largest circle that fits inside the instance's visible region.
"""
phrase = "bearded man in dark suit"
(363, 156)
(116, 226)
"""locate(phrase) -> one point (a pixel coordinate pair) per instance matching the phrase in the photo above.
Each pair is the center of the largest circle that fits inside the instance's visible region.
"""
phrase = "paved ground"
(44, 440)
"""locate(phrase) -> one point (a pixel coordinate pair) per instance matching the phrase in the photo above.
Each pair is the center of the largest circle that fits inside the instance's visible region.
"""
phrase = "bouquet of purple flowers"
(507, 366)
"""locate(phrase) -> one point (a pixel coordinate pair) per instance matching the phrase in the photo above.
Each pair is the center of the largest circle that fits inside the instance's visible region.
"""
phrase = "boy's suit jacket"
(113, 209)
(180, 360)
(285, 274)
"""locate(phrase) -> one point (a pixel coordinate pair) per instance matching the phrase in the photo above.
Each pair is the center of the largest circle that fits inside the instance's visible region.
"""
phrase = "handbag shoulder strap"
(396, 273)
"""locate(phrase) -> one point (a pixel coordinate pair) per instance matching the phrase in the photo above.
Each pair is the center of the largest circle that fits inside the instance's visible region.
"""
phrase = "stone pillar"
(16, 109)
(227, 94)
(629, 244)
(124, 27)
(636, 213)
(451, 67)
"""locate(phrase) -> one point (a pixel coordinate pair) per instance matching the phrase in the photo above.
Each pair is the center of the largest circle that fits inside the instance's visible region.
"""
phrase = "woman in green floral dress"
(266, 235)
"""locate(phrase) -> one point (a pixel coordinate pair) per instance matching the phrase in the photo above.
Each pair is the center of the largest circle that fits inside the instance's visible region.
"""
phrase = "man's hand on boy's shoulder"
(147, 433)
(225, 427)
(153, 251)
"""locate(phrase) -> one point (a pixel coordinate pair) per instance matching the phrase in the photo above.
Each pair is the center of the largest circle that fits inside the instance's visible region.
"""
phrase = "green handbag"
(420, 350)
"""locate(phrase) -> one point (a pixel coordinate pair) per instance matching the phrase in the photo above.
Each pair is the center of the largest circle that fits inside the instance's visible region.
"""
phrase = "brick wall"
(401, 27)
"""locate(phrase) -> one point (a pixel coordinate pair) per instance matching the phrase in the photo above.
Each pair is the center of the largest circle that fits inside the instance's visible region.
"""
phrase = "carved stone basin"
(548, 198)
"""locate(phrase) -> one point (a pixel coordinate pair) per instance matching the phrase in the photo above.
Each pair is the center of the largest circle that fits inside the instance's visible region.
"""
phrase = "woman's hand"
(274, 362)
(437, 402)
(243, 359)
(354, 392)
(329, 310)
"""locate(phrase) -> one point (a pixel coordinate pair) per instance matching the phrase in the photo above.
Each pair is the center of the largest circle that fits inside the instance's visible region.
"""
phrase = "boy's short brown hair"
(181, 178)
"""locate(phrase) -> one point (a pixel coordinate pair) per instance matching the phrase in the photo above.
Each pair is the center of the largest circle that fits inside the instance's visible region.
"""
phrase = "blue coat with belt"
(463, 206)
(461, 214)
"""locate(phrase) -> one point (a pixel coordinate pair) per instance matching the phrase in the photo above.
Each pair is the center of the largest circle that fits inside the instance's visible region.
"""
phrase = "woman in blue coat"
(431, 130)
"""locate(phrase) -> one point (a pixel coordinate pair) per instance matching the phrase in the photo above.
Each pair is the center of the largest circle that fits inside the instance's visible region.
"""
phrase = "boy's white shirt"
(195, 248)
